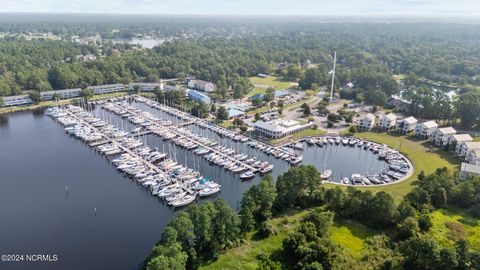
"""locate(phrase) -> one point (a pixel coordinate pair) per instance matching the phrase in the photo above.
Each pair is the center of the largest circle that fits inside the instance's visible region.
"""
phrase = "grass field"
(416, 151)
(454, 224)
(271, 81)
(351, 235)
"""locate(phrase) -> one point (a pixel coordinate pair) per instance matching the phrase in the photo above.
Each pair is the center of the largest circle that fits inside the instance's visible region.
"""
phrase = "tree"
(468, 109)
(213, 108)
(419, 253)
(2, 102)
(222, 113)
(257, 116)
(257, 102)
(424, 222)
(407, 228)
(306, 109)
(225, 226)
(311, 76)
(86, 93)
(461, 248)
(439, 197)
(269, 95)
(353, 129)
(35, 96)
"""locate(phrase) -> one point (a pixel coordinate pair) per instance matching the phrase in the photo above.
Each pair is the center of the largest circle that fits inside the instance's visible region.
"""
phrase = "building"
(456, 140)
(145, 87)
(387, 121)
(399, 104)
(62, 94)
(473, 157)
(204, 86)
(441, 136)
(107, 88)
(234, 113)
(282, 93)
(280, 128)
(257, 96)
(262, 75)
(469, 170)
(425, 129)
(17, 100)
(406, 125)
(463, 148)
(367, 122)
(197, 96)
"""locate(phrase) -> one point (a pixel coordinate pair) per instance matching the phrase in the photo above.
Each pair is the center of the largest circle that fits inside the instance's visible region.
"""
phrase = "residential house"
(442, 136)
(425, 129)
(455, 141)
(473, 157)
(387, 122)
(406, 125)
(62, 94)
(204, 86)
(469, 170)
(367, 122)
(197, 96)
(465, 147)
(145, 87)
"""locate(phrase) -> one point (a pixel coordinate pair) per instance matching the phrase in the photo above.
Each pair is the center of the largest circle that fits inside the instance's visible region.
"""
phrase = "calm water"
(38, 160)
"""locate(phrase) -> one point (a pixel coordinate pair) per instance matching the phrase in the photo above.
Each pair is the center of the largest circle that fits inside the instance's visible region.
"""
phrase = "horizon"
(247, 8)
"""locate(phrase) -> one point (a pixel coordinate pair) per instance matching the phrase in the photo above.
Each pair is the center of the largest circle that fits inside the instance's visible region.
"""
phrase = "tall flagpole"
(333, 75)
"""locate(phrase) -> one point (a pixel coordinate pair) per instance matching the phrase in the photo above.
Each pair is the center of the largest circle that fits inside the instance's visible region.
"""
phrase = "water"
(38, 160)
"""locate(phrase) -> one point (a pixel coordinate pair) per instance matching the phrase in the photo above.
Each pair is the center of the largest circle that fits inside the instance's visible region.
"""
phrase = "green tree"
(86, 93)
(419, 253)
(425, 222)
(222, 113)
(407, 228)
(2, 102)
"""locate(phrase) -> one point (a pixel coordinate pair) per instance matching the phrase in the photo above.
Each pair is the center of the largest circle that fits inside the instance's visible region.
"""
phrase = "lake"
(38, 161)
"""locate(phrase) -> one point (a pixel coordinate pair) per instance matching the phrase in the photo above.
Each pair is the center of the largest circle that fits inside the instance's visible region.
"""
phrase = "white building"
(425, 129)
(457, 140)
(387, 121)
(367, 122)
(63, 94)
(107, 88)
(17, 100)
(442, 136)
(462, 149)
(406, 125)
(201, 85)
(469, 170)
(145, 87)
(280, 128)
(473, 157)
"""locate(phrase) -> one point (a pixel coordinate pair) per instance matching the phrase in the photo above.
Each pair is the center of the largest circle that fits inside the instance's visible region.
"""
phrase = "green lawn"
(245, 256)
(453, 224)
(277, 83)
(301, 134)
(418, 154)
(351, 235)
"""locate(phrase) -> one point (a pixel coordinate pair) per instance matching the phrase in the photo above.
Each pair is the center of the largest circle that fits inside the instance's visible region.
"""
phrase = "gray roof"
(470, 168)
(447, 130)
(410, 120)
(462, 137)
(430, 124)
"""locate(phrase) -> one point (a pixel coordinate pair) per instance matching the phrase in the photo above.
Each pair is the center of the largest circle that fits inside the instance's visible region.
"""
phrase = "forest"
(201, 233)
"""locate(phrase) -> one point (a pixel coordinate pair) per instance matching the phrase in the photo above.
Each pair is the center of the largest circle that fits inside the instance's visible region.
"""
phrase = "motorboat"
(247, 175)
(326, 174)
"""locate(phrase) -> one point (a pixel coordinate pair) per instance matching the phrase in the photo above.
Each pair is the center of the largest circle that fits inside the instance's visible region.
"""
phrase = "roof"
(369, 116)
(430, 124)
(282, 93)
(462, 137)
(198, 95)
(200, 83)
(234, 112)
(470, 168)
(390, 116)
(258, 96)
(60, 91)
(410, 120)
(106, 85)
(447, 130)
(279, 125)
(268, 126)
(15, 97)
(476, 152)
(472, 145)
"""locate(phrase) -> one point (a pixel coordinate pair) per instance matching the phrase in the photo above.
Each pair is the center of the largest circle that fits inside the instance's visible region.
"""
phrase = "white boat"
(326, 174)
(346, 181)
(267, 168)
(247, 175)
(211, 189)
(188, 199)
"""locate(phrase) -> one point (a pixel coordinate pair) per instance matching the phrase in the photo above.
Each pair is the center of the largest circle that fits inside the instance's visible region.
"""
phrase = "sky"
(251, 7)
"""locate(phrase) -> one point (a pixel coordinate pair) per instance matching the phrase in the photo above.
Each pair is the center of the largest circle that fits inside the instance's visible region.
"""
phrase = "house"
(107, 88)
(455, 141)
(204, 86)
(425, 129)
(234, 113)
(262, 75)
(257, 96)
(387, 121)
(367, 122)
(463, 148)
(280, 128)
(145, 87)
(469, 170)
(197, 96)
(89, 57)
(62, 94)
(399, 104)
(473, 157)
(406, 125)
(442, 136)
(17, 100)
(282, 93)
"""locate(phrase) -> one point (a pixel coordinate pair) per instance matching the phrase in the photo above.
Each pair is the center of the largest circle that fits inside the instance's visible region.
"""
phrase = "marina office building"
(197, 96)
(280, 128)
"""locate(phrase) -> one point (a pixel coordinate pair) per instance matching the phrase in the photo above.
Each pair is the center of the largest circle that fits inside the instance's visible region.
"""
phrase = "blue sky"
(251, 7)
